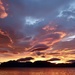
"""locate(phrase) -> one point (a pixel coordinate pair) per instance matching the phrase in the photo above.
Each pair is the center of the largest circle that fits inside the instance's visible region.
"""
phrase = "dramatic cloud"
(25, 59)
(3, 13)
(5, 38)
(54, 59)
(39, 47)
(71, 61)
(68, 45)
(39, 29)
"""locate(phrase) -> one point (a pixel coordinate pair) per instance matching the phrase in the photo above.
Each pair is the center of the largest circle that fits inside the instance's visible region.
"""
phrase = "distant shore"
(36, 64)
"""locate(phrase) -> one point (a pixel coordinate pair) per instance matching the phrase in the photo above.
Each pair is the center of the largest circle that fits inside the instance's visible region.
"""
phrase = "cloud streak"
(3, 13)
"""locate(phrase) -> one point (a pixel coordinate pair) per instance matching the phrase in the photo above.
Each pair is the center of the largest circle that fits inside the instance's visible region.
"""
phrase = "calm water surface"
(38, 71)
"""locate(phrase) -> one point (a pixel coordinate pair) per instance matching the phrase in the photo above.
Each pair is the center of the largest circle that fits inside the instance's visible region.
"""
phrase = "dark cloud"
(54, 59)
(39, 53)
(25, 59)
(43, 56)
(39, 47)
(71, 61)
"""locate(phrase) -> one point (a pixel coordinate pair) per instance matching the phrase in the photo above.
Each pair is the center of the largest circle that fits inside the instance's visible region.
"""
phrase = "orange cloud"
(6, 34)
(3, 13)
(49, 28)
(53, 38)
(62, 35)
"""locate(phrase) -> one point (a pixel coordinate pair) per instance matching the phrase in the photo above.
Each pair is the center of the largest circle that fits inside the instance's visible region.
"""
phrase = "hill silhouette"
(36, 64)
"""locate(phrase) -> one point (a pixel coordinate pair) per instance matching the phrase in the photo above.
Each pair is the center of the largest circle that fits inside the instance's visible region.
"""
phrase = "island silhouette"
(36, 64)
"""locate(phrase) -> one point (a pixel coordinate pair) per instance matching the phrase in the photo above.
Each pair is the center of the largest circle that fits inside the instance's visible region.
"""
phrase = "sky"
(37, 29)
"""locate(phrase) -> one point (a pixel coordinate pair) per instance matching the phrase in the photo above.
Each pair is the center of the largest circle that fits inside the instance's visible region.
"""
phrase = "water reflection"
(39, 71)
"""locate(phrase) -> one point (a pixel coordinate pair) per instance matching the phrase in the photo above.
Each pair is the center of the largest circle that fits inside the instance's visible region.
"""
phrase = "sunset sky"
(38, 29)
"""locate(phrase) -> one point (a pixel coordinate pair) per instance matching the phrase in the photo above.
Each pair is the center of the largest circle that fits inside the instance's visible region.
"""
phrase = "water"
(38, 71)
